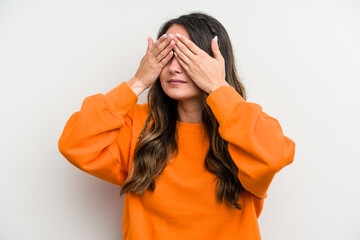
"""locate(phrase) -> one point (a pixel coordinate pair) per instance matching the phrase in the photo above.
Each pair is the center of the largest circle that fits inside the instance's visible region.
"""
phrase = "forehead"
(176, 28)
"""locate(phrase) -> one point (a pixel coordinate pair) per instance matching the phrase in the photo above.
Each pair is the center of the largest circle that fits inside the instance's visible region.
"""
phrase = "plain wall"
(298, 59)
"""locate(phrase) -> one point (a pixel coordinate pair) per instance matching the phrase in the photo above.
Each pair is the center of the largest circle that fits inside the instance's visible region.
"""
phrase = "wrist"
(223, 83)
(136, 86)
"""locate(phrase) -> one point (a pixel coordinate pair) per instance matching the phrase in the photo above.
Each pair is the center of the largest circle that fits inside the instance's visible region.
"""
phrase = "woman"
(195, 162)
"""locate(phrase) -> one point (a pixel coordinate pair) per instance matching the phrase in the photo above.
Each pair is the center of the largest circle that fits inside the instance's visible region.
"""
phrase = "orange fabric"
(100, 140)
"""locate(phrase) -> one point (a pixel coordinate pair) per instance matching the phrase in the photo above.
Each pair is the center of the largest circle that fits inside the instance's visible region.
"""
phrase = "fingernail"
(171, 36)
(178, 35)
(216, 39)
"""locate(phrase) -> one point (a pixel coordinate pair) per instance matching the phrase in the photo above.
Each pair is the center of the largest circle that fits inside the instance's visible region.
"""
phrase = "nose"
(175, 66)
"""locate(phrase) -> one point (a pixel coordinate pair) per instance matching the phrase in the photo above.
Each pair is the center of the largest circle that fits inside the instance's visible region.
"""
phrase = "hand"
(208, 73)
(156, 57)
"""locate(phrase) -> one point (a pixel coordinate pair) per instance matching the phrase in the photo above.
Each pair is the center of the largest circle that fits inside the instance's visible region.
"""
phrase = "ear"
(215, 48)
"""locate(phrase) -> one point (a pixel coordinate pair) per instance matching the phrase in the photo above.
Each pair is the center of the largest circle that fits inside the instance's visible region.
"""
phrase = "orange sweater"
(100, 140)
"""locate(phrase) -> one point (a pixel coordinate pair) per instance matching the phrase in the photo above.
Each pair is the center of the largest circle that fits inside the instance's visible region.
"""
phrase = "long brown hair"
(157, 142)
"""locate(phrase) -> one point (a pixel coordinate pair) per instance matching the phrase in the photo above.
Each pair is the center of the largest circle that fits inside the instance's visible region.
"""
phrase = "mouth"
(176, 81)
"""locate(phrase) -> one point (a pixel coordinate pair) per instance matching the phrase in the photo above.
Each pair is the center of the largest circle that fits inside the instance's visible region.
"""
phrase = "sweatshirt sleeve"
(257, 144)
(97, 138)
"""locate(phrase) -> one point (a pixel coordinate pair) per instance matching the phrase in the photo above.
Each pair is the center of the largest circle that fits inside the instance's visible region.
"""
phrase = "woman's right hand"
(156, 57)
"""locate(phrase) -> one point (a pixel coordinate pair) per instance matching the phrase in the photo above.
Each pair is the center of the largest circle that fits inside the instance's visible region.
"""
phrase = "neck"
(189, 110)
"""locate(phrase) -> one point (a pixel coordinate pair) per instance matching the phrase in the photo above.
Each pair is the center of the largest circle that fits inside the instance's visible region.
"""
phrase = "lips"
(176, 81)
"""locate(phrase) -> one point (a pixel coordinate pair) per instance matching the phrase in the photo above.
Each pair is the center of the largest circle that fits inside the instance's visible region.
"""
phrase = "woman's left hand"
(208, 73)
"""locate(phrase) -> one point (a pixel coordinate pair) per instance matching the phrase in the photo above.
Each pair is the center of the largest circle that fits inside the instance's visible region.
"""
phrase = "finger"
(158, 42)
(150, 43)
(185, 51)
(163, 45)
(189, 44)
(181, 62)
(165, 60)
(165, 51)
(182, 56)
(215, 48)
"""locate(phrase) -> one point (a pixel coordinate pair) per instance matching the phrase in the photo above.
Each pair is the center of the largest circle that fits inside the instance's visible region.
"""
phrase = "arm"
(97, 139)
(90, 139)
(257, 144)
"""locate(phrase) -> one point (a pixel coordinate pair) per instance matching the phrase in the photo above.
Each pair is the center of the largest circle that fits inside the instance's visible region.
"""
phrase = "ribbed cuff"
(223, 101)
(121, 99)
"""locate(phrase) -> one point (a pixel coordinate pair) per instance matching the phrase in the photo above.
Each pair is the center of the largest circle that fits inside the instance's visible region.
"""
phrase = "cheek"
(163, 73)
(161, 76)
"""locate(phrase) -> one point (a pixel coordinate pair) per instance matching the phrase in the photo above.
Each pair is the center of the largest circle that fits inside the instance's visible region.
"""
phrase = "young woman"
(196, 161)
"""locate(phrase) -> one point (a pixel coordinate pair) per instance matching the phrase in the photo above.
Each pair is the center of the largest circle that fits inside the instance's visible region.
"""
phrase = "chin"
(177, 96)
(180, 95)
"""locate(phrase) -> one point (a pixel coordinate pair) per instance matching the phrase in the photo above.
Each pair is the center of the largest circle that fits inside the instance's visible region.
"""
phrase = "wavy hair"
(157, 143)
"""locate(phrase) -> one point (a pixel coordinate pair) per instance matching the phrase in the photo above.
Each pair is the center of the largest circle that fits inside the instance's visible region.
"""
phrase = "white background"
(298, 59)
